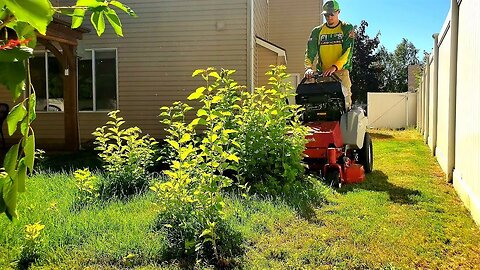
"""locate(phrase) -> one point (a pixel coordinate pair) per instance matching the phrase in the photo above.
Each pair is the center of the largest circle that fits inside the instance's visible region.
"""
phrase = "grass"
(403, 216)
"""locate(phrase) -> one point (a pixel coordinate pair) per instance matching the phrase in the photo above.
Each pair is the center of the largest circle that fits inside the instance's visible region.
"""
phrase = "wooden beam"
(57, 39)
(70, 103)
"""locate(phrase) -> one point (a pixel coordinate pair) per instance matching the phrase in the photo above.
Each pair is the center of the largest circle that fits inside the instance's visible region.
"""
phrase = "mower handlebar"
(319, 76)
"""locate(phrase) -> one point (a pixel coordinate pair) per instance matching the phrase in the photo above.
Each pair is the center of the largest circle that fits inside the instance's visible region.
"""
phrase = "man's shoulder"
(318, 27)
(346, 25)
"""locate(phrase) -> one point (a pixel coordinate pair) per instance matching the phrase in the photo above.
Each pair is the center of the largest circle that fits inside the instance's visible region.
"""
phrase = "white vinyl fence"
(448, 111)
(391, 110)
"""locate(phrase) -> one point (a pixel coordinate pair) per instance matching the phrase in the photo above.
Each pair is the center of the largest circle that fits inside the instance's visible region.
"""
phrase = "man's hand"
(329, 71)
(309, 73)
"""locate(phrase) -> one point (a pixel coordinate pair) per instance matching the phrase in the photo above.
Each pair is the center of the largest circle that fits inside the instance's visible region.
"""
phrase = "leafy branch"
(25, 18)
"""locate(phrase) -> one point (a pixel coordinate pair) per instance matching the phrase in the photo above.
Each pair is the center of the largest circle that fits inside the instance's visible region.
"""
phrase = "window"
(97, 80)
(48, 85)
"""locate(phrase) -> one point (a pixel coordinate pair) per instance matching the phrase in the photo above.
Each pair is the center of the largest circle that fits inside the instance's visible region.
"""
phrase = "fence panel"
(430, 103)
(467, 134)
(441, 150)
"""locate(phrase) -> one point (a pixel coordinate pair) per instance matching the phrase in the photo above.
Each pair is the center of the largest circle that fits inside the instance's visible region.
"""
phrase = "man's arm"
(312, 48)
(345, 61)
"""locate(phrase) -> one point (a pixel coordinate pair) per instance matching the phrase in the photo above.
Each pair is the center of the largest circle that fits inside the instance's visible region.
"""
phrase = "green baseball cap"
(330, 6)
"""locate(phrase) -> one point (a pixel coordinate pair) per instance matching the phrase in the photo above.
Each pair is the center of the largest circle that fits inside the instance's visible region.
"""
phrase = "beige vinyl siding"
(260, 19)
(290, 25)
(265, 59)
(260, 28)
(467, 135)
(161, 49)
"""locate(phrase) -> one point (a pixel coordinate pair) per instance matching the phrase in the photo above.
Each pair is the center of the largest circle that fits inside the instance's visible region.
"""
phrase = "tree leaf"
(173, 143)
(124, 8)
(12, 75)
(216, 99)
(17, 54)
(91, 3)
(29, 151)
(197, 72)
(24, 31)
(21, 175)
(215, 75)
(201, 112)
(194, 95)
(37, 13)
(98, 22)
(10, 198)
(77, 17)
(17, 114)
(32, 103)
(10, 162)
(185, 138)
(114, 21)
(233, 158)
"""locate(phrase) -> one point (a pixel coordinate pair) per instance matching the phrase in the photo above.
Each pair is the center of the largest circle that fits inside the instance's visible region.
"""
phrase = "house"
(151, 65)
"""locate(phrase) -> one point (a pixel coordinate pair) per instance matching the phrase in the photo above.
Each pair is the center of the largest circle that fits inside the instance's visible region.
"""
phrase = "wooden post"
(72, 140)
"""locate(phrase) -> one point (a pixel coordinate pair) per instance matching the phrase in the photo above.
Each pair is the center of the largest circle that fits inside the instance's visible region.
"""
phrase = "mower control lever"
(320, 78)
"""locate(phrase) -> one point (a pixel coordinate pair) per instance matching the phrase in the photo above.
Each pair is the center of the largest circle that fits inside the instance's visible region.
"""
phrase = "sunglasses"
(329, 14)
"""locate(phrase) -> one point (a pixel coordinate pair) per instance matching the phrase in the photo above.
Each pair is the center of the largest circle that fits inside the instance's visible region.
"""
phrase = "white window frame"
(45, 53)
(94, 87)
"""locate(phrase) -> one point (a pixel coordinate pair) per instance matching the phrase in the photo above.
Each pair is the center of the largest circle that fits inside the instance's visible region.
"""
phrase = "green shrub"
(31, 249)
(126, 158)
(271, 136)
(191, 201)
(86, 191)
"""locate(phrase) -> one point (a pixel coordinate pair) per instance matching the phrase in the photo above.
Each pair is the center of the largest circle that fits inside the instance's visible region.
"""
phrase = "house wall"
(265, 59)
(260, 27)
(157, 56)
(290, 26)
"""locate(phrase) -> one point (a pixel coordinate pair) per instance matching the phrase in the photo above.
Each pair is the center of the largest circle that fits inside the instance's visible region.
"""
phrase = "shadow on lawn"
(378, 181)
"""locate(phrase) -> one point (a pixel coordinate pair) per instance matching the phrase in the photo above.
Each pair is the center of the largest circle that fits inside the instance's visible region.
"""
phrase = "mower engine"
(338, 145)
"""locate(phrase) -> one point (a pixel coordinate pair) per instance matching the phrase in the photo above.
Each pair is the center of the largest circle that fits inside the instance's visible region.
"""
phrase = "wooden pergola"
(61, 35)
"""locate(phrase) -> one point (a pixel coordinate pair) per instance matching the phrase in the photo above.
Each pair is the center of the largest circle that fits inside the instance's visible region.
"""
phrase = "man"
(332, 42)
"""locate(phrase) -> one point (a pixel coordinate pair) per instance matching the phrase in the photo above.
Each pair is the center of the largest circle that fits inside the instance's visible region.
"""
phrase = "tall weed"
(191, 200)
(271, 136)
(126, 157)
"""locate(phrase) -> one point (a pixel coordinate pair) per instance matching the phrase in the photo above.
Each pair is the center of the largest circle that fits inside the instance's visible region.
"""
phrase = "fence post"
(427, 101)
(452, 96)
(435, 92)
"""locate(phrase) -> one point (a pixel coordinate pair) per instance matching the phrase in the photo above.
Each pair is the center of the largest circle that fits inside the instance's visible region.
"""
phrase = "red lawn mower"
(338, 145)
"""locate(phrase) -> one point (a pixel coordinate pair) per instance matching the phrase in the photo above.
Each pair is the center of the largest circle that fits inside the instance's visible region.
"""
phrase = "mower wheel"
(366, 154)
(332, 177)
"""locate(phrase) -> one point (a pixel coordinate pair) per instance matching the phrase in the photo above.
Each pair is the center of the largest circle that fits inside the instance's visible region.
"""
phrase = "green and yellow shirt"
(334, 45)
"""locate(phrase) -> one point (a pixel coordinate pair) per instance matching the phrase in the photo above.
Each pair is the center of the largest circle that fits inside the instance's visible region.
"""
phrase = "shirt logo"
(331, 39)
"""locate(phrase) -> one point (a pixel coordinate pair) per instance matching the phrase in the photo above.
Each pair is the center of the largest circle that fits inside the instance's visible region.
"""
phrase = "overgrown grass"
(404, 216)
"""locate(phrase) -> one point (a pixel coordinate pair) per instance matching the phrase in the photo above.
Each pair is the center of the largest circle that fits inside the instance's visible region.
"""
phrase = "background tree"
(365, 73)
(394, 75)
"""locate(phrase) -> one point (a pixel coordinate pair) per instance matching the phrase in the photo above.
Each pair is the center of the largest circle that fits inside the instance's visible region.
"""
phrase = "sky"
(415, 20)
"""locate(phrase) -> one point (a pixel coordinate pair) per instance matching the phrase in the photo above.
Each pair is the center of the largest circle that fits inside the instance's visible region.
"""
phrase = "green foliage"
(271, 136)
(100, 10)
(30, 250)
(24, 18)
(191, 201)
(126, 156)
(86, 190)
(394, 77)
(366, 72)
